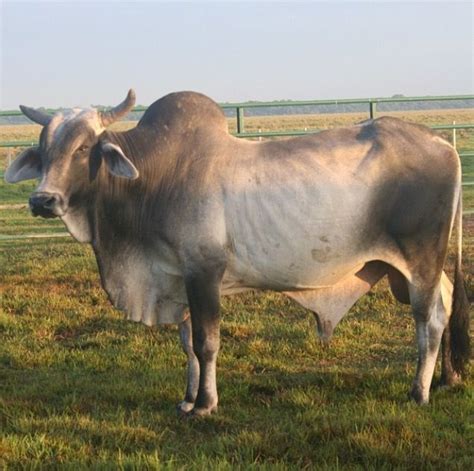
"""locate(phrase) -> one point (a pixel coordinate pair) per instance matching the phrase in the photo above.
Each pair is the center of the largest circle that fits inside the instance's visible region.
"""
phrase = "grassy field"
(80, 388)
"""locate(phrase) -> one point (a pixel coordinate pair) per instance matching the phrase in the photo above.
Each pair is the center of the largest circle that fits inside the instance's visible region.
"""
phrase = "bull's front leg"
(186, 336)
(203, 291)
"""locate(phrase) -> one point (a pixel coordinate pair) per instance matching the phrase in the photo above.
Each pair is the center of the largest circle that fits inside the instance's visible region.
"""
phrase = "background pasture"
(79, 387)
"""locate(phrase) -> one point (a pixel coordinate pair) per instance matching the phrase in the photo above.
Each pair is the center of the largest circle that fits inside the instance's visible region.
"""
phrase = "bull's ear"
(25, 167)
(117, 162)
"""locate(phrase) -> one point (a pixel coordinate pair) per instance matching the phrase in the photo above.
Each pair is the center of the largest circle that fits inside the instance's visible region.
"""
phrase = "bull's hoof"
(198, 412)
(418, 395)
(448, 380)
(184, 407)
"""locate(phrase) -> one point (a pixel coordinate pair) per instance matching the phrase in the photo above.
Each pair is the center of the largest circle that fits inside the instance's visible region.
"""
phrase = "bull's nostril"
(45, 204)
(50, 202)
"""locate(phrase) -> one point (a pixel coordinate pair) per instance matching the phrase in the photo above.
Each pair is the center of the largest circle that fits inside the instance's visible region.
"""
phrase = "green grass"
(80, 388)
(468, 176)
(15, 194)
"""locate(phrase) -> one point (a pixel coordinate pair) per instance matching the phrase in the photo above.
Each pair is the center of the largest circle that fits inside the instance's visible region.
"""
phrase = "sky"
(65, 54)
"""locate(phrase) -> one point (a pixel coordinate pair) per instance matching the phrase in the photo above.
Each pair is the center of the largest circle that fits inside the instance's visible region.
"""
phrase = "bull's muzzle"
(47, 205)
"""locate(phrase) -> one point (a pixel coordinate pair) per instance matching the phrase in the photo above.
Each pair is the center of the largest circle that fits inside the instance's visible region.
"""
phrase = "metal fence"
(370, 102)
(239, 109)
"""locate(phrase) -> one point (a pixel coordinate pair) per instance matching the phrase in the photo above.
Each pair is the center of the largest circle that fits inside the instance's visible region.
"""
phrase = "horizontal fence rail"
(239, 110)
(371, 102)
(240, 107)
(255, 134)
(240, 116)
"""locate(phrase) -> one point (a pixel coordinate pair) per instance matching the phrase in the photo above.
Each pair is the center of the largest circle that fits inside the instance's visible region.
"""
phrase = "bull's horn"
(110, 116)
(37, 116)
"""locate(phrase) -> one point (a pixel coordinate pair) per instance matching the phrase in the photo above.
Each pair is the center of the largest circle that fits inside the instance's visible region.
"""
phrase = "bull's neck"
(125, 140)
(124, 206)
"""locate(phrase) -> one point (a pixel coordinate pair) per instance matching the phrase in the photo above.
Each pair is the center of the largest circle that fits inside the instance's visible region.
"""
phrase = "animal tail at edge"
(459, 320)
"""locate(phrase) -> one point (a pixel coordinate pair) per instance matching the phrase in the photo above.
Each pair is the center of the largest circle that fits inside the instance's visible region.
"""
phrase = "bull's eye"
(83, 148)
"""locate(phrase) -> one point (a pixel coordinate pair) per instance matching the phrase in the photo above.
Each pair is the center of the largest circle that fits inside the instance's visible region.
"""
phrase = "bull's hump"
(185, 110)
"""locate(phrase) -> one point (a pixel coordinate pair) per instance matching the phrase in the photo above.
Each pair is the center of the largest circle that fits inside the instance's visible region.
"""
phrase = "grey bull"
(179, 212)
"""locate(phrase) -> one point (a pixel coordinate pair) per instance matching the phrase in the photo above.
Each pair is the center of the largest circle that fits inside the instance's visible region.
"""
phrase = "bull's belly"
(313, 269)
(297, 251)
(301, 234)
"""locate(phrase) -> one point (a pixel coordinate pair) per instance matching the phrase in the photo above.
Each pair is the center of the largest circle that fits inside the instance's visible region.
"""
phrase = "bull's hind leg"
(399, 287)
(449, 376)
(431, 319)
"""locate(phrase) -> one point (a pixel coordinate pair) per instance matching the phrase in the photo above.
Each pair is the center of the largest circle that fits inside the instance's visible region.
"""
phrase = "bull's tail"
(459, 321)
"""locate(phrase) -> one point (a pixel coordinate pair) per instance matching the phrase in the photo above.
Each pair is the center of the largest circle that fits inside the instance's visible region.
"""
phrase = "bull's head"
(71, 148)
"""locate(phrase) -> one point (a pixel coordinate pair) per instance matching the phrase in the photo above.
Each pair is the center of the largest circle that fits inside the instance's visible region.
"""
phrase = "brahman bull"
(180, 212)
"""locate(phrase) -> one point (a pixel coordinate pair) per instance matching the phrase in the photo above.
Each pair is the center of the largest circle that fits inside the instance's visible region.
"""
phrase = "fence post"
(454, 135)
(372, 109)
(240, 120)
